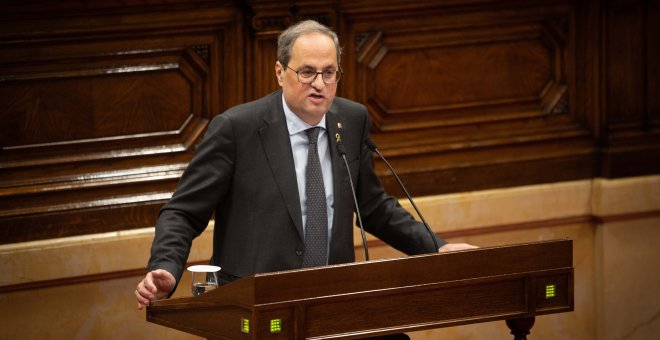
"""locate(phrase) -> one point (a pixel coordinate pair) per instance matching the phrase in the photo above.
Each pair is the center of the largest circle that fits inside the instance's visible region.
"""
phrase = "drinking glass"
(204, 278)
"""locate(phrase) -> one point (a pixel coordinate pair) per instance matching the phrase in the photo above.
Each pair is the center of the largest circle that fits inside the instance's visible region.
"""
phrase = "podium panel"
(382, 297)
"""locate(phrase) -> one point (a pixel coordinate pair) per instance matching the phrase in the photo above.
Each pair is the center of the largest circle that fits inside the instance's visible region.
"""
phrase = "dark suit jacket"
(243, 171)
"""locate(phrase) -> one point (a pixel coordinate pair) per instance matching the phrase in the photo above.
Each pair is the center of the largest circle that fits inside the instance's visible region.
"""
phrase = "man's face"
(310, 102)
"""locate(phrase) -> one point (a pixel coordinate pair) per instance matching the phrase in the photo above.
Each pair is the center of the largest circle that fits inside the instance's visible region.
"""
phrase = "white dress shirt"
(299, 146)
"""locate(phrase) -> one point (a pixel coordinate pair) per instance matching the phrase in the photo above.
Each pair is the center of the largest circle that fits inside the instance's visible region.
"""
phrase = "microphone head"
(370, 144)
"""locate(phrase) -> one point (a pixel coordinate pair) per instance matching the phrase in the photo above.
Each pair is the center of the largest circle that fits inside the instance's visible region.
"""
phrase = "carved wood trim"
(375, 46)
(102, 118)
(530, 92)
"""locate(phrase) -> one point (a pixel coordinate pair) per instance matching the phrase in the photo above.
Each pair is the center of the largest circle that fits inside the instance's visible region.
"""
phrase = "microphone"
(374, 148)
(342, 151)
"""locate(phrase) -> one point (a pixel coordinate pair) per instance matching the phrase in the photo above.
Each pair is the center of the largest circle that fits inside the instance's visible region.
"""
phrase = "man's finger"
(141, 300)
(149, 284)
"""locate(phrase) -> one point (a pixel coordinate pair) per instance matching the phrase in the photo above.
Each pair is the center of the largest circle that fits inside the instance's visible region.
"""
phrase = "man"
(251, 169)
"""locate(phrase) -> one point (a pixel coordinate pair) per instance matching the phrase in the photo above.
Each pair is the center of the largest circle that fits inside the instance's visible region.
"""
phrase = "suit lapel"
(334, 125)
(277, 145)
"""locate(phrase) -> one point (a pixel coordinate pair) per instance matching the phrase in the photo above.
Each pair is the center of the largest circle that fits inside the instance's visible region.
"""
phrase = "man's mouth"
(316, 97)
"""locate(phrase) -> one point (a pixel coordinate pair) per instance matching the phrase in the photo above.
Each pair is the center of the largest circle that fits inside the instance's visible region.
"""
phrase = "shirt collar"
(296, 125)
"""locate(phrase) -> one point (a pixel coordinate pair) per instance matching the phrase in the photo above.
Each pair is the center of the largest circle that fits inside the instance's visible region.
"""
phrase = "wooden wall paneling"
(588, 65)
(632, 144)
(625, 63)
(100, 117)
(103, 102)
(446, 85)
(653, 62)
(267, 21)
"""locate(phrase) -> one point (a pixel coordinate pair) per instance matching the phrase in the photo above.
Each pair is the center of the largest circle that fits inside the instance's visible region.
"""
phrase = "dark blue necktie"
(316, 228)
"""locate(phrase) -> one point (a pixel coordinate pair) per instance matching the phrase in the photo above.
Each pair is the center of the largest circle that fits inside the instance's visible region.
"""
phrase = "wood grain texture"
(383, 297)
(103, 102)
(102, 109)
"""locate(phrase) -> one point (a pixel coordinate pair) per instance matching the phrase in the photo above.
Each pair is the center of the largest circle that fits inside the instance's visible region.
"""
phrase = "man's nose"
(318, 82)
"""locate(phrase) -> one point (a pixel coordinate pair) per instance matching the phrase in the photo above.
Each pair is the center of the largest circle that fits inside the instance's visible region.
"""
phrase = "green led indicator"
(550, 291)
(276, 325)
(245, 325)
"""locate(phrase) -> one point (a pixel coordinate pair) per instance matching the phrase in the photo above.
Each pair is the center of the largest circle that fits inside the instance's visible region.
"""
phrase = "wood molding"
(105, 101)
(457, 96)
(395, 59)
(101, 119)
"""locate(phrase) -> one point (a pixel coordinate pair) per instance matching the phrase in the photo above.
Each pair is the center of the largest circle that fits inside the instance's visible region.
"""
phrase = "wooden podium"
(513, 283)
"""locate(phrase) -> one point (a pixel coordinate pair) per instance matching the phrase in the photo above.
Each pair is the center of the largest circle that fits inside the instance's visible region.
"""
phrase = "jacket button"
(299, 252)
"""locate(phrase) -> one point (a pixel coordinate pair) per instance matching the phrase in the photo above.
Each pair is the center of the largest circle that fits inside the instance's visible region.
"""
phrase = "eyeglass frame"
(338, 74)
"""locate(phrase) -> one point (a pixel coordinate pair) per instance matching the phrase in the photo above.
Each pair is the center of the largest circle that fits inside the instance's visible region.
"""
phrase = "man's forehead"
(313, 45)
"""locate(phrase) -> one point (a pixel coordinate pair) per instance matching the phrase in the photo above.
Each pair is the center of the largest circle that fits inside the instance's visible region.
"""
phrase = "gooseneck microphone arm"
(342, 151)
(374, 148)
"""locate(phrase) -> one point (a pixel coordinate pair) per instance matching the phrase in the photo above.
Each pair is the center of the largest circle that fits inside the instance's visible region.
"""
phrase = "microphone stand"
(342, 151)
(374, 148)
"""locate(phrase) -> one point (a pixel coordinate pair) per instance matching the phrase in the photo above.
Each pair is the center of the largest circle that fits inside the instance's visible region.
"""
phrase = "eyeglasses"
(308, 76)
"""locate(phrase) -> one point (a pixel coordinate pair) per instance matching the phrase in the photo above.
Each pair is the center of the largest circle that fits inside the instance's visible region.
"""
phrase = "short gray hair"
(289, 36)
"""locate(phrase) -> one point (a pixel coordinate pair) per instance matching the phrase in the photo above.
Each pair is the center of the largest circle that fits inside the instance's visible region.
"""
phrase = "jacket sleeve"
(382, 215)
(202, 186)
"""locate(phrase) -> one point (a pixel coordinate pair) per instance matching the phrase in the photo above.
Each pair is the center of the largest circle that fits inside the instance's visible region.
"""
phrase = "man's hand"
(156, 285)
(455, 246)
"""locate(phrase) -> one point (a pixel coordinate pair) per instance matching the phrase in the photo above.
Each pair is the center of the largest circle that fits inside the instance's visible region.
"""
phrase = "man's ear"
(279, 73)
